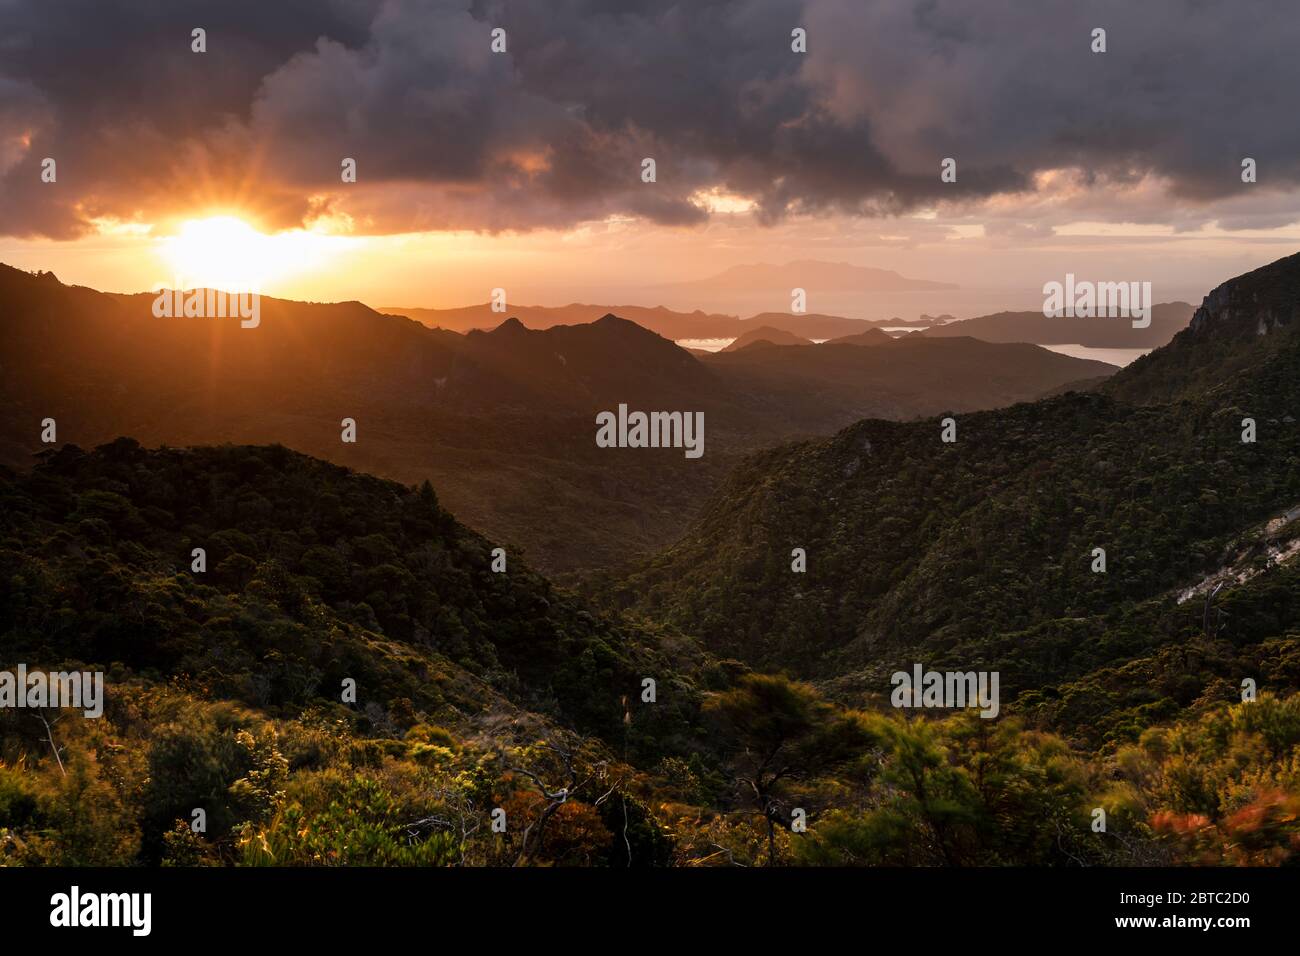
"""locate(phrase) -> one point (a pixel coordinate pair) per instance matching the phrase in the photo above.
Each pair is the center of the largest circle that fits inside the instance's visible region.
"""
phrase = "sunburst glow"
(224, 252)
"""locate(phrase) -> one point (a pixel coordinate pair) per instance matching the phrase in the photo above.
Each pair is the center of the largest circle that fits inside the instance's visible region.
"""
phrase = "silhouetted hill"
(896, 378)
(1167, 319)
(810, 325)
(870, 337)
(577, 368)
(766, 334)
(502, 421)
(665, 322)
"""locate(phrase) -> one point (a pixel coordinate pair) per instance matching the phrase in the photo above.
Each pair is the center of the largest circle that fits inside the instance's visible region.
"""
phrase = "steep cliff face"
(1255, 304)
(1239, 326)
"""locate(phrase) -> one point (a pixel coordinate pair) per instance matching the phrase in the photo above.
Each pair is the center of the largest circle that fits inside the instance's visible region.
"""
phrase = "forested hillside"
(350, 676)
(981, 551)
(501, 421)
(313, 575)
(482, 692)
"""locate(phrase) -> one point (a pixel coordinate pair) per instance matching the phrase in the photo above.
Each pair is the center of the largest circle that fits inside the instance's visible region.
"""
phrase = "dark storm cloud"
(112, 91)
(448, 135)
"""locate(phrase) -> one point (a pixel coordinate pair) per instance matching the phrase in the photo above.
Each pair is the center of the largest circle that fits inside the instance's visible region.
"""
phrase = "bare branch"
(49, 733)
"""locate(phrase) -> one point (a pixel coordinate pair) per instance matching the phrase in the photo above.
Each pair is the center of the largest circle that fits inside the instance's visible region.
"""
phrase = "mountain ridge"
(502, 420)
(919, 549)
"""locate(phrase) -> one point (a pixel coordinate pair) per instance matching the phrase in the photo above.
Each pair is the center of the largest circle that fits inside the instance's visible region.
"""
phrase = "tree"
(780, 731)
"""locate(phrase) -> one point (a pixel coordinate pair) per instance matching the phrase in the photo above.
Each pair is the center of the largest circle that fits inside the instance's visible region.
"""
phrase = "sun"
(225, 252)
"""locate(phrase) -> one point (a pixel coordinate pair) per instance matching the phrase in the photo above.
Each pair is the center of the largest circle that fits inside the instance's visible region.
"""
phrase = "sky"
(522, 168)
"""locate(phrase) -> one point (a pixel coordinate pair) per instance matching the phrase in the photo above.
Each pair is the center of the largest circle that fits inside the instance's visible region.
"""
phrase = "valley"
(500, 421)
(474, 678)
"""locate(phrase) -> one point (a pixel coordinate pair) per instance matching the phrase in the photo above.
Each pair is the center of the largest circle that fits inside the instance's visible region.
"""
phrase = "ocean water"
(705, 345)
(1119, 357)
(715, 345)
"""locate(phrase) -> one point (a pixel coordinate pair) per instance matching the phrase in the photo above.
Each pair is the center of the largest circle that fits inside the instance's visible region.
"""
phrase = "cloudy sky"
(522, 169)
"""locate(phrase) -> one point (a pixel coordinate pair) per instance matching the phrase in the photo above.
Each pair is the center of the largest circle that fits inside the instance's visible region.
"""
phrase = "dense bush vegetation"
(314, 575)
(981, 552)
(499, 721)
